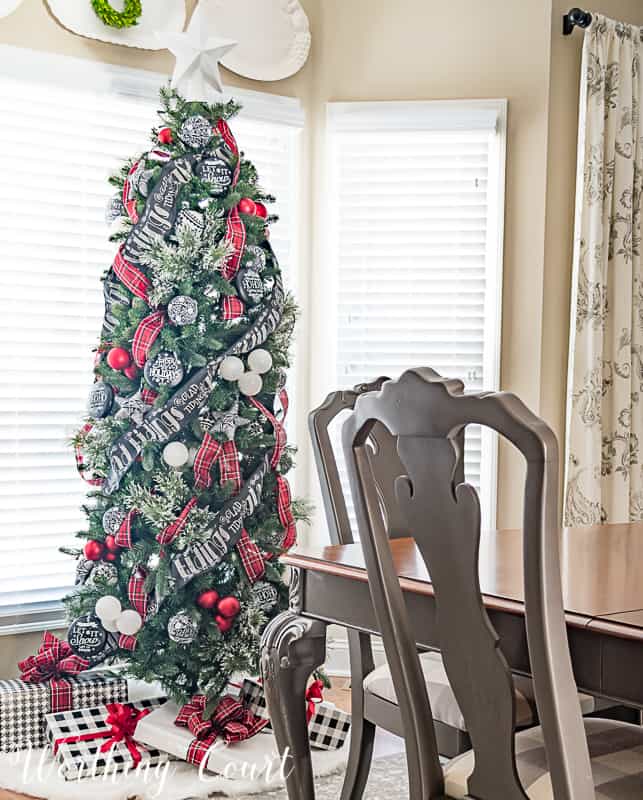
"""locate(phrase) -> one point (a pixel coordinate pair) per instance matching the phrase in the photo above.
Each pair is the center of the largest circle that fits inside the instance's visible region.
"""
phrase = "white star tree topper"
(198, 52)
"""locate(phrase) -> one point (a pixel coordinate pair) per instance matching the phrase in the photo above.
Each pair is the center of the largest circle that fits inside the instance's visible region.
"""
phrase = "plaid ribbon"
(231, 721)
(314, 695)
(145, 336)
(130, 276)
(129, 196)
(123, 536)
(284, 509)
(280, 432)
(53, 660)
(80, 459)
(207, 455)
(122, 720)
(171, 531)
(251, 557)
(233, 307)
(159, 155)
(127, 642)
(235, 229)
(229, 465)
(148, 396)
(136, 591)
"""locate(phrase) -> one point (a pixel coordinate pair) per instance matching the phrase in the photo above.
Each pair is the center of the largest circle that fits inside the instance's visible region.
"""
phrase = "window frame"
(44, 68)
(438, 115)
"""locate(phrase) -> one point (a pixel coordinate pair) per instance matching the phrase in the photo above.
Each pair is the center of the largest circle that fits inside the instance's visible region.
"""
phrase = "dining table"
(602, 579)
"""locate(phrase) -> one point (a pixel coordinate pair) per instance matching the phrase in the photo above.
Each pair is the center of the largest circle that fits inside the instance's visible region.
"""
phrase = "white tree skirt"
(36, 774)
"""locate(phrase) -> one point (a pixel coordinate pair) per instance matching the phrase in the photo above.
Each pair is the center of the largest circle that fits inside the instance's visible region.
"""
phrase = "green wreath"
(118, 19)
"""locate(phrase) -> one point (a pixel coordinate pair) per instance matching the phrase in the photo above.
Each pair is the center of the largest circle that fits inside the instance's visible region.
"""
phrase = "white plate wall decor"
(8, 6)
(159, 16)
(273, 37)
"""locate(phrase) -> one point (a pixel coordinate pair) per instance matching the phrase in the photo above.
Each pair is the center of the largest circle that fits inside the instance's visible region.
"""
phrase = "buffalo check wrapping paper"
(328, 729)
(84, 759)
(23, 706)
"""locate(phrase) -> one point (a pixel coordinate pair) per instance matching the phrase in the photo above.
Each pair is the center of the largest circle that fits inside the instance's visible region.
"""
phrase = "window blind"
(66, 125)
(416, 247)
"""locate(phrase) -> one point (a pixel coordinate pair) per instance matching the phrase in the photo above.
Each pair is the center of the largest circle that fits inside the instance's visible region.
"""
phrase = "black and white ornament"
(114, 209)
(164, 369)
(183, 310)
(196, 132)
(84, 568)
(106, 572)
(113, 518)
(100, 401)
(265, 595)
(182, 629)
(87, 637)
(249, 285)
(193, 220)
(132, 407)
(255, 257)
(216, 172)
(224, 423)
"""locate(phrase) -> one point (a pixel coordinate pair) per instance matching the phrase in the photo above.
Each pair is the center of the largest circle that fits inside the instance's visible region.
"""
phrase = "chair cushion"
(616, 750)
(444, 706)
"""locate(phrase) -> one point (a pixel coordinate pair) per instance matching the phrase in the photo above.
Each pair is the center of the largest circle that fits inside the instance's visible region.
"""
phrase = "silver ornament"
(223, 422)
(113, 519)
(133, 407)
(84, 568)
(105, 572)
(182, 629)
(265, 595)
(182, 310)
(114, 209)
(196, 132)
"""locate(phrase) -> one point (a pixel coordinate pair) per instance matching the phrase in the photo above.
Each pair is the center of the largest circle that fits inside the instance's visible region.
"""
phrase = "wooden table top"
(602, 570)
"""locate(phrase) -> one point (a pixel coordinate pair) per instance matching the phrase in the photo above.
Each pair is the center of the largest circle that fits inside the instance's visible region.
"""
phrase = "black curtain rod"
(576, 17)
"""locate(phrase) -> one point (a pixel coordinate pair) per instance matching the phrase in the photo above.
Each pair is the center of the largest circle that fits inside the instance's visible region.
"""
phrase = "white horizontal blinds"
(66, 125)
(415, 255)
(57, 147)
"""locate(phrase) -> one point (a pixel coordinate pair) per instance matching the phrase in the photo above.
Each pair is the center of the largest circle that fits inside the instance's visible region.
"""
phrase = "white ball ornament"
(108, 608)
(231, 368)
(250, 384)
(109, 625)
(176, 454)
(260, 361)
(129, 623)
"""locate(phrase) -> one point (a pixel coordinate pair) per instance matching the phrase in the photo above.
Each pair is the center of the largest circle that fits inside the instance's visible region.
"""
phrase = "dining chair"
(566, 757)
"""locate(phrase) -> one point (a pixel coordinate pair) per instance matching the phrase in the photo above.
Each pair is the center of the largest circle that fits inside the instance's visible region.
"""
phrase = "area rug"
(35, 773)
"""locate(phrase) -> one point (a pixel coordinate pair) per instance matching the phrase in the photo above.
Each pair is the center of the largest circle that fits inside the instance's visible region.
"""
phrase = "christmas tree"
(185, 447)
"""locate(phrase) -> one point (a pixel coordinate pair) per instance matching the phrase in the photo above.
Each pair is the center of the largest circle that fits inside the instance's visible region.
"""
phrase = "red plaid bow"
(235, 229)
(280, 431)
(171, 531)
(231, 721)
(130, 276)
(314, 695)
(229, 469)
(284, 509)
(122, 720)
(251, 557)
(139, 601)
(207, 455)
(53, 660)
(145, 336)
(123, 536)
(233, 308)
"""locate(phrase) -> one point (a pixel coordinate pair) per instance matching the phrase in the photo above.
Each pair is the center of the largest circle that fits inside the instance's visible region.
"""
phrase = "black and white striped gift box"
(84, 759)
(23, 705)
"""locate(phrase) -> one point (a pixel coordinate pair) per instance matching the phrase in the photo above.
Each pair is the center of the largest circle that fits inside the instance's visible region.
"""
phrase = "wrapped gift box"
(234, 761)
(84, 758)
(23, 706)
(328, 727)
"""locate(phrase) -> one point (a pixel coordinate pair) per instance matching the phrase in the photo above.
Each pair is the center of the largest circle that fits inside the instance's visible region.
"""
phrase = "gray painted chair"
(567, 758)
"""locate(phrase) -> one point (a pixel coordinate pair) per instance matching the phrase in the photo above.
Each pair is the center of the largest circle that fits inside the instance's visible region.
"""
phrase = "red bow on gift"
(314, 695)
(122, 720)
(231, 721)
(53, 660)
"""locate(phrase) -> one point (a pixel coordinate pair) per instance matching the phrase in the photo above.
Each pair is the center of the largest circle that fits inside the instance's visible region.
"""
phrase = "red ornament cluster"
(120, 359)
(251, 208)
(226, 608)
(165, 136)
(105, 551)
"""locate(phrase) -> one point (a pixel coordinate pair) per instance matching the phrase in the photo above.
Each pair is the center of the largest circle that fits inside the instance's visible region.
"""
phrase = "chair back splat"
(427, 415)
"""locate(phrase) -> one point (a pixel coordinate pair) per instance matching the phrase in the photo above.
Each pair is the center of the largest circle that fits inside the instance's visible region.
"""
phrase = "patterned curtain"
(604, 481)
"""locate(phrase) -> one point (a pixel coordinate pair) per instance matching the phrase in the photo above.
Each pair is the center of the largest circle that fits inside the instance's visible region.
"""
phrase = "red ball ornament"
(247, 206)
(261, 210)
(131, 372)
(110, 556)
(118, 358)
(165, 136)
(110, 544)
(223, 624)
(208, 599)
(94, 550)
(229, 607)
